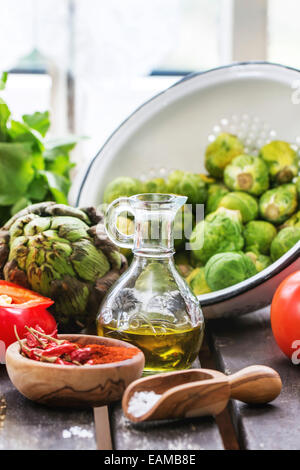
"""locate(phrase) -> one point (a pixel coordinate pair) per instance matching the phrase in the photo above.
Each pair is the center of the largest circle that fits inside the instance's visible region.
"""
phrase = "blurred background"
(92, 62)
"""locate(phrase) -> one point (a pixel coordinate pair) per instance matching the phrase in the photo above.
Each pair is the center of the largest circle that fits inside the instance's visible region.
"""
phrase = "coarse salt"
(141, 402)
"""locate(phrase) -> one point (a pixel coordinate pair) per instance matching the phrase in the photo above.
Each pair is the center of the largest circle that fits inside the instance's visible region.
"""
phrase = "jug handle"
(114, 210)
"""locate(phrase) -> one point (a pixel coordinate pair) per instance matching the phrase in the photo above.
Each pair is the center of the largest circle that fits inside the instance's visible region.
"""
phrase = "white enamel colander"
(257, 101)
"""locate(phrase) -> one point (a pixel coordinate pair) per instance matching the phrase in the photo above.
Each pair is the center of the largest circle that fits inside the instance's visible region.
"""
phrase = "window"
(104, 58)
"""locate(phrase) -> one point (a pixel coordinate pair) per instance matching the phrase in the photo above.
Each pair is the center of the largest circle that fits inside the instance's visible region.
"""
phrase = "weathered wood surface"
(28, 426)
(248, 340)
(188, 434)
(193, 434)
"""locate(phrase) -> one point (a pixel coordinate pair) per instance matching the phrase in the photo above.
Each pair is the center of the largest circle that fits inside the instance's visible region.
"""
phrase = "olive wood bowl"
(73, 386)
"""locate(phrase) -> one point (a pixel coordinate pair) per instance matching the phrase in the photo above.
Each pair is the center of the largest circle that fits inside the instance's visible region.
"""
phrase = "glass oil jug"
(151, 306)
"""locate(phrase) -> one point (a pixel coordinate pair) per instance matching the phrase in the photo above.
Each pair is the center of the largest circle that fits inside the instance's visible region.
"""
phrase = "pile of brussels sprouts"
(252, 211)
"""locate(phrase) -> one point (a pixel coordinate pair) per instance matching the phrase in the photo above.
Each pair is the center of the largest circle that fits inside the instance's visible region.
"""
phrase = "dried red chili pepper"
(59, 350)
(81, 355)
(47, 348)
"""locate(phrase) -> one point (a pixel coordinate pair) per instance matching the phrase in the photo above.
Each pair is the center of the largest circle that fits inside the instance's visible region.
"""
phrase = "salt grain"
(141, 402)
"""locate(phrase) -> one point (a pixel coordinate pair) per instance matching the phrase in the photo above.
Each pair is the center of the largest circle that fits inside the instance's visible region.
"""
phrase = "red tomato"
(27, 309)
(285, 314)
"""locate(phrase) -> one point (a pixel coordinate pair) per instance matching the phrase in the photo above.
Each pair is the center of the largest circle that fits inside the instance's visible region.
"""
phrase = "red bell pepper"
(27, 308)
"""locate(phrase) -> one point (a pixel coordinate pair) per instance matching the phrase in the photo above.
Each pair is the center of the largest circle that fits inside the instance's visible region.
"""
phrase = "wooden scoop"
(202, 392)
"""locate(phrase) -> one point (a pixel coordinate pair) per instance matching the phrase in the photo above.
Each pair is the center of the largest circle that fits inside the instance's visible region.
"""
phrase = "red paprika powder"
(48, 348)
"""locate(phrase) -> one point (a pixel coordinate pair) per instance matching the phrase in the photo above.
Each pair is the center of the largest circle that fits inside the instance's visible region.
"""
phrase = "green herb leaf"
(38, 188)
(4, 115)
(60, 146)
(58, 185)
(19, 132)
(3, 80)
(38, 121)
(19, 205)
(16, 171)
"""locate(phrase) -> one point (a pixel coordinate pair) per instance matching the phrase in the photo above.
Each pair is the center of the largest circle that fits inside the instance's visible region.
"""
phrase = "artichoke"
(62, 253)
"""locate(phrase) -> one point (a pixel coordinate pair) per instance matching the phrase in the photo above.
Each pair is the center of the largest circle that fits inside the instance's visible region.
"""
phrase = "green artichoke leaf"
(41, 277)
(38, 121)
(16, 171)
(70, 228)
(88, 262)
(37, 225)
(71, 297)
(19, 251)
(17, 227)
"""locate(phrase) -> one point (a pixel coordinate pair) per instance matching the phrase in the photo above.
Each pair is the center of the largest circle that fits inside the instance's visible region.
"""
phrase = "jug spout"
(153, 215)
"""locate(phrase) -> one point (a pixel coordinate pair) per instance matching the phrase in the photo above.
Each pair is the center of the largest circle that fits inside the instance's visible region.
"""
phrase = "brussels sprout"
(282, 161)
(284, 240)
(182, 263)
(126, 226)
(260, 261)
(247, 173)
(221, 152)
(293, 221)
(155, 185)
(226, 269)
(220, 231)
(207, 179)
(188, 184)
(122, 186)
(277, 204)
(243, 202)
(196, 281)
(183, 226)
(258, 235)
(298, 187)
(215, 193)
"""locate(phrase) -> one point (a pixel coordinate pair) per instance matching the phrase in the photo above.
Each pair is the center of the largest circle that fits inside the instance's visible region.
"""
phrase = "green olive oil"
(165, 349)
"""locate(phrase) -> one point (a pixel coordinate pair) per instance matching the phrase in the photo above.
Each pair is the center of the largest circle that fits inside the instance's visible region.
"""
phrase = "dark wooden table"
(231, 344)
